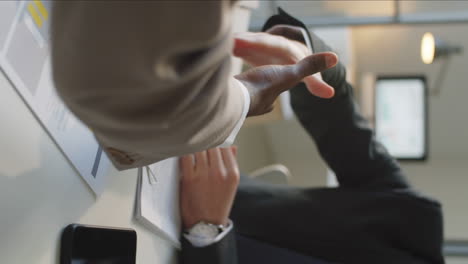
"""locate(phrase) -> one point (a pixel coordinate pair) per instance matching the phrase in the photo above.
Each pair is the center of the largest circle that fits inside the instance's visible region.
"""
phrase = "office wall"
(395, 50)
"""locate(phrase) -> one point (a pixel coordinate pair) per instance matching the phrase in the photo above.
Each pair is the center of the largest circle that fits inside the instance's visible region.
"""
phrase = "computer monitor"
(401, 116)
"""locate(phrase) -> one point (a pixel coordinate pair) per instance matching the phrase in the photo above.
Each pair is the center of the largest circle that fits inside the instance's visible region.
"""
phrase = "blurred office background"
(382, 38)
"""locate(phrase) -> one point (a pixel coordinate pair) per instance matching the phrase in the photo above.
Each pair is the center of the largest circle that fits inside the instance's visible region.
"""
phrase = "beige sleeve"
(150, 78)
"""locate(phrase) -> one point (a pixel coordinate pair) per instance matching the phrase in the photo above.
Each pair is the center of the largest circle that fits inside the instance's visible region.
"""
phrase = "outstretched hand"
(266, 83)
(280, 46)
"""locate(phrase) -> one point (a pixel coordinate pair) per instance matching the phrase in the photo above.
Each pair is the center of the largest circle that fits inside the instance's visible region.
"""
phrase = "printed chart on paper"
(25, 60)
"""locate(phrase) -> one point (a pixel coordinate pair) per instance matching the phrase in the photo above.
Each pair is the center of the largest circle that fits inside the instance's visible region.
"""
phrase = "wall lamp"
(435, 49)
(432, 48)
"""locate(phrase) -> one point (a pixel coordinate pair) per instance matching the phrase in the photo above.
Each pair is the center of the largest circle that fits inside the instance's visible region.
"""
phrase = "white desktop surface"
(41, 193)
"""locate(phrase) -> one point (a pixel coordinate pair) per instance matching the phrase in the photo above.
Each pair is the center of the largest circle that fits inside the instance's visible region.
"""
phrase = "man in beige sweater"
(152, 78)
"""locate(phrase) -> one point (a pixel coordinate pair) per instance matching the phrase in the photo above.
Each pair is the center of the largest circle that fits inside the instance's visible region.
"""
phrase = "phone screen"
(98, 245)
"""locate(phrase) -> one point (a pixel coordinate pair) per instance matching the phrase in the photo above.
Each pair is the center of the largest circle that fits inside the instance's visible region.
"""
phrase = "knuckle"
(311, 64)
(218, 173)
(234, 175)
(320, 62)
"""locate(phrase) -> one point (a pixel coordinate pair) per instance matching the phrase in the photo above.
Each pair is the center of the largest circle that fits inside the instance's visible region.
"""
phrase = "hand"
(208, 186)
(266, 83)
(281, 45)
(260, 48)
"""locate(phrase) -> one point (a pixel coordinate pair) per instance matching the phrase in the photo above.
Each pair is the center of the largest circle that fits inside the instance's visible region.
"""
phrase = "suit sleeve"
(150, 79)
(342, 135)
(222, 252)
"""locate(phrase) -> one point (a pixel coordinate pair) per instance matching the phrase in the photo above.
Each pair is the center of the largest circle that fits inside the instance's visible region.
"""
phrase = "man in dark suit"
(374, 216)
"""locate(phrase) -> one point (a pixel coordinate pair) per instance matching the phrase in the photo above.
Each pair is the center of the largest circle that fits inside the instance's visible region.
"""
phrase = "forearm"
(154, 137)
(342, 135)
(148, 84)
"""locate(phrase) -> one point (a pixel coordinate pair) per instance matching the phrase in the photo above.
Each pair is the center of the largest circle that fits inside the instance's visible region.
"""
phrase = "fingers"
(310, 65)
(217, 162)
(217, 166)
(186, 165)
(208, 195)
(241, 47)
(318, 87)
(315, 63)
(201, 161)
(258, 49)
(286, 77)
(248, 43)
(230, 162)
(289, 32)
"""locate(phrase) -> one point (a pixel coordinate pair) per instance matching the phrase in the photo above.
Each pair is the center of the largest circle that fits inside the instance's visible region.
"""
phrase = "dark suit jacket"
(373, 217)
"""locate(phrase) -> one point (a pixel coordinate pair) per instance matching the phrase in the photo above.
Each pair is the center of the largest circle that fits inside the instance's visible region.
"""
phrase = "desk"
(40, 193)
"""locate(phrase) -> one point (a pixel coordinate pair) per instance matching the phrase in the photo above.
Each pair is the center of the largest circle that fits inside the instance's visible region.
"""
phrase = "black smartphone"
(84, 244)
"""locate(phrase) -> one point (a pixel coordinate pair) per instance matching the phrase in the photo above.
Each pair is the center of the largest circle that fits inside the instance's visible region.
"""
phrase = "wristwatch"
(206, 230)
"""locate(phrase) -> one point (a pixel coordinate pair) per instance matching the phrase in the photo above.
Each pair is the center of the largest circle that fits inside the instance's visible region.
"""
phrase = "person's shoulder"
(416, 197)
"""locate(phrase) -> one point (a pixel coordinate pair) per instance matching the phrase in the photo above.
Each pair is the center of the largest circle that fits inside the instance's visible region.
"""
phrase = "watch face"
(203, 229)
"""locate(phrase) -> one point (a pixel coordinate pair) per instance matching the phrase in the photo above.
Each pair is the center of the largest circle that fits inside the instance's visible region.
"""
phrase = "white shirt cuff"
(232, 137)
(201, 241)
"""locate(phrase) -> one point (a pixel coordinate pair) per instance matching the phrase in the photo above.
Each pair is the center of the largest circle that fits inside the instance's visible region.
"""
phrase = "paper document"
(157, 201)
(25, 60)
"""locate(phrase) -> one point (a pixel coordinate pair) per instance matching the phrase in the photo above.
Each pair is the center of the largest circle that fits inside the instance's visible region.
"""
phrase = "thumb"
(314, 63)
(303, 71)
